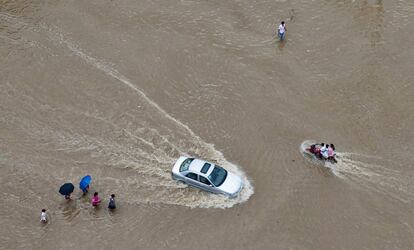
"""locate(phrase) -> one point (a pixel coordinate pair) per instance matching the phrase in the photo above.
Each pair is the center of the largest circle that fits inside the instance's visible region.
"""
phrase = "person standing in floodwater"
(281, 31)
(95, 199)
(111, 204)
(85, 190)
(43, 216)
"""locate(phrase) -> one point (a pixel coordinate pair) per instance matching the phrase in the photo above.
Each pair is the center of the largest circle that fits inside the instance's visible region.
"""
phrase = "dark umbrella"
(84, 183)
(66, 189)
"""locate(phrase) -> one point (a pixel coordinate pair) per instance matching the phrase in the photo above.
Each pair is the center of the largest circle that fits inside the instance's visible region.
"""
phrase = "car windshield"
(184, 166)
(218, 175)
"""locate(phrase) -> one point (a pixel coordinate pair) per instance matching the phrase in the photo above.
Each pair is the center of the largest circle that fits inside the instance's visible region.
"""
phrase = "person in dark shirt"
(111, 204)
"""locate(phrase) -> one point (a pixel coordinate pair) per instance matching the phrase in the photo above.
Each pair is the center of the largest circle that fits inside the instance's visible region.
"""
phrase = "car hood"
(232, 184)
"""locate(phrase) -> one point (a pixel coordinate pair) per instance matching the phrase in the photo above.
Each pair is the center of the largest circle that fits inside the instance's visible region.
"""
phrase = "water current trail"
(369, 173)
(145, 150)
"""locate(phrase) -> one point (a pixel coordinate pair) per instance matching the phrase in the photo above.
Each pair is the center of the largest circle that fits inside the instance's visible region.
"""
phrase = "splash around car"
(206, 176)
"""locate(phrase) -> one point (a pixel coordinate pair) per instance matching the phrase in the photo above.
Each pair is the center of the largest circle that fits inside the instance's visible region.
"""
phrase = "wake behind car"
(206, 176)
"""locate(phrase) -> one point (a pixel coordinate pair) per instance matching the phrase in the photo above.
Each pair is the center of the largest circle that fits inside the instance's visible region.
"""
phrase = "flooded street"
(119, 89)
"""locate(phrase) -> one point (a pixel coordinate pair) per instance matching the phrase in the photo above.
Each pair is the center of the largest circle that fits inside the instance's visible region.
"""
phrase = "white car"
(206, 176)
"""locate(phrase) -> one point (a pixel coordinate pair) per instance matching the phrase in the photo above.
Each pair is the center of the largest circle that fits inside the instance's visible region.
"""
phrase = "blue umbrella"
(84, 183)
(66, 189)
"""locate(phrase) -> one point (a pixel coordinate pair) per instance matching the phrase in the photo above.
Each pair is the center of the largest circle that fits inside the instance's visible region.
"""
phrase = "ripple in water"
(369, 173)
(364, 171)
(138, 158)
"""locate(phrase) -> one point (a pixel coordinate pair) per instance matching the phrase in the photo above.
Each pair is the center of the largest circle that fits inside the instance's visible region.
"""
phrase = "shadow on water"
(372, 14)
(281, 44)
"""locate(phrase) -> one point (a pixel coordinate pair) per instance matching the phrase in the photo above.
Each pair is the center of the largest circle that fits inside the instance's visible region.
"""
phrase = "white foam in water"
(160, 167)
(375, 177)
(369, 176)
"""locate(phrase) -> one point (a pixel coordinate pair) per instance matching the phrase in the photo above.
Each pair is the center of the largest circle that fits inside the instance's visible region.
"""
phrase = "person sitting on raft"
(331, 153)
(324, 151)
(316, 150)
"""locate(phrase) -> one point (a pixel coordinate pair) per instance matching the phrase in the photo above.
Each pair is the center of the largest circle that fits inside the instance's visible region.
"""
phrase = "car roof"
(196, 166)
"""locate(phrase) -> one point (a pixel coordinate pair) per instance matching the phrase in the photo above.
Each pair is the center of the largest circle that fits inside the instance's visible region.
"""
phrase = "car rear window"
(186, 164)
(205, 168)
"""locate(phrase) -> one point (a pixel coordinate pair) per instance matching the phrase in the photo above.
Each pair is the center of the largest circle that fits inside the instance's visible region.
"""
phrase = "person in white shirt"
(43, 216)
(324, 150)
(281, 31)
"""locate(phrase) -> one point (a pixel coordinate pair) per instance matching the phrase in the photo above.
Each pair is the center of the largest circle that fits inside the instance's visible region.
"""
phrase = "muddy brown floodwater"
(119, 89)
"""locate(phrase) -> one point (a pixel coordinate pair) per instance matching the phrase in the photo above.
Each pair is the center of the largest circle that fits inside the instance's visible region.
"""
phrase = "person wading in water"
(281, 31)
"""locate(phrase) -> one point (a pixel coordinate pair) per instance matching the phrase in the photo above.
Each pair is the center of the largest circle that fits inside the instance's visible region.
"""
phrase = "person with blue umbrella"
(84, 183)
